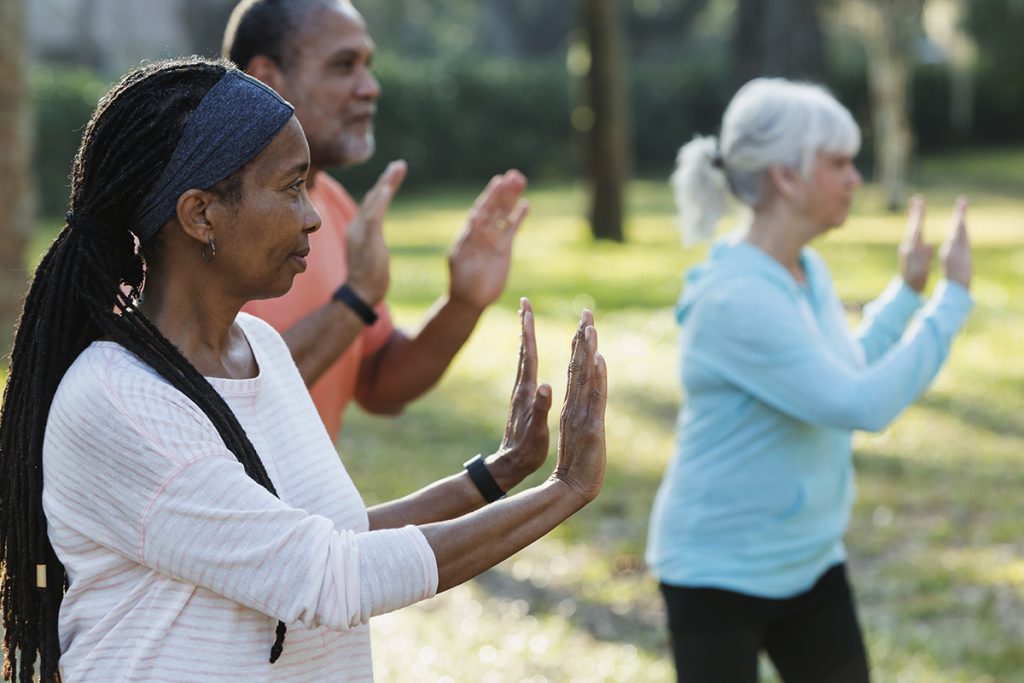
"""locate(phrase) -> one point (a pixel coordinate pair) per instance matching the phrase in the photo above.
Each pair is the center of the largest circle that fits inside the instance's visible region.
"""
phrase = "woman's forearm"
(471, 544)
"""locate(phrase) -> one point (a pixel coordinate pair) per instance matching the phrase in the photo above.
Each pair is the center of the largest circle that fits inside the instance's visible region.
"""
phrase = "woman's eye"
(297, 185)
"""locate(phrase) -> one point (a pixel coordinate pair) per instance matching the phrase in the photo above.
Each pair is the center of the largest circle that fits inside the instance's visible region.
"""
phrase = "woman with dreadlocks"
(170, 499)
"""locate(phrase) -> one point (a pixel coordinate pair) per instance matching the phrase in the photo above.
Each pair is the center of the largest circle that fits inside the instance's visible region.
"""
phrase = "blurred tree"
(945, 23)
(16, 188)
(204, 22)
(84, 50)
(657, 27)
(608, 132)
(888, 30)
(524, 28)
(778, 38)
(997, 27)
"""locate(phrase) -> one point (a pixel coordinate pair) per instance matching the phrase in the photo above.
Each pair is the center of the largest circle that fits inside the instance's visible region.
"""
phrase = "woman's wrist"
(508, 468)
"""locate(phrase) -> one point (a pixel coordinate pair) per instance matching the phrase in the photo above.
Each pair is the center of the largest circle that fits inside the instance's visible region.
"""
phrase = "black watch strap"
(481, 476)
(347, 296)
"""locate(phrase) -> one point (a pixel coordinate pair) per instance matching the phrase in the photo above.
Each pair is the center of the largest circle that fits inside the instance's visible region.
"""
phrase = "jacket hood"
(730, 259)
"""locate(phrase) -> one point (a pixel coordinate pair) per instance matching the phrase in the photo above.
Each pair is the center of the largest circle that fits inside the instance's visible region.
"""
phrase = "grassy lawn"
(936, 539)
(936, 535)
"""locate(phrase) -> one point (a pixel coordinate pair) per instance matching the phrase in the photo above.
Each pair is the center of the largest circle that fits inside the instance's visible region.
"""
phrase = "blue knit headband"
(235, 120)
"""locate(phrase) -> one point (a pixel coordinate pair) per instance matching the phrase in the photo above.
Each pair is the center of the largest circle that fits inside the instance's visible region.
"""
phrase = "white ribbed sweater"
(180, 565)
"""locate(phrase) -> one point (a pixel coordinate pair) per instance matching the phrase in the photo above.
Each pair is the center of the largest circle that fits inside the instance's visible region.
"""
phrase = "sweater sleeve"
(213, 526)
(136, 467)
(886, 318)
(756, 337)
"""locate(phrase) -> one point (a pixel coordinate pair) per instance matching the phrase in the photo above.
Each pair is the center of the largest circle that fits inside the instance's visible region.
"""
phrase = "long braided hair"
(85, 288)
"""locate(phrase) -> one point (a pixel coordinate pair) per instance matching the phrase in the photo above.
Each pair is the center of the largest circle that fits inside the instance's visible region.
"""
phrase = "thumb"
(914, 234)
(542, 402)
(394, 174)
(378, 199)
(958, 229)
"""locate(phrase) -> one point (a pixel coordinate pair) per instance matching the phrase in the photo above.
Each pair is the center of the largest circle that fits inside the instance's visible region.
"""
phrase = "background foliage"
(465, 96)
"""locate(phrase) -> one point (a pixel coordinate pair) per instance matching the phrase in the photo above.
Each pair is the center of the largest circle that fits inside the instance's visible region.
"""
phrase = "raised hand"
(368, 257)
(525, 445)
(955, 253)
(915, 256)
(479, 259)
(581, 441)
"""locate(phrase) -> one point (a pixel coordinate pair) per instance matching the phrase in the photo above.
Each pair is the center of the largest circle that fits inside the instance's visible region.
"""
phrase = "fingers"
(486, 192)
(378, 199)
(502, 192)
(958, 228)
(541, 404)
(956, 235)
(580, 372)
(500, 205)
(915, 221)
(528, 345)
(599, 389)
(516, 218)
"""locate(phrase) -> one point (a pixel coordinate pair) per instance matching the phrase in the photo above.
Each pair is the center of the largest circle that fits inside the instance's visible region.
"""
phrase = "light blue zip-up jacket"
(758, 493)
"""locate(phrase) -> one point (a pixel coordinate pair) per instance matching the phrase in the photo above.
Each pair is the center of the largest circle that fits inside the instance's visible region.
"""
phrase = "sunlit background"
(592, 98)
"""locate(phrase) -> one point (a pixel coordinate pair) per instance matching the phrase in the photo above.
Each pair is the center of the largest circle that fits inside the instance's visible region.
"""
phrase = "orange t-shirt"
(326, 270)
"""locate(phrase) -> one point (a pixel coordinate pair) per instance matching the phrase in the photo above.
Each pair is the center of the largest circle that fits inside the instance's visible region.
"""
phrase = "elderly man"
(317, 54)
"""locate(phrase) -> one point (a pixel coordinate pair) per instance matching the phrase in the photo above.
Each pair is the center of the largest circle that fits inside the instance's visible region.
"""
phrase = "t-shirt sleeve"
(136, 467)
(758, 338)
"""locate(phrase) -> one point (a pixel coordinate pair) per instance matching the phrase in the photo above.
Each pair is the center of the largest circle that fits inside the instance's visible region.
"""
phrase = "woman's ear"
(195, 211)
(786, 182)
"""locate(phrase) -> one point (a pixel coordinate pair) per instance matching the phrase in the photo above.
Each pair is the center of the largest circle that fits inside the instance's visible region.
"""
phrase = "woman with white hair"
(746, 531)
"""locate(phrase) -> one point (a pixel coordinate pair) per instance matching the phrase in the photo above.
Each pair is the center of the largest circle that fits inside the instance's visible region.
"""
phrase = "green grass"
(935, 541)
(936, 534)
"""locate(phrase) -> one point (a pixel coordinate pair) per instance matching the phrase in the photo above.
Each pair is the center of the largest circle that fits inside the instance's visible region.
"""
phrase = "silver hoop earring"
(213, 250)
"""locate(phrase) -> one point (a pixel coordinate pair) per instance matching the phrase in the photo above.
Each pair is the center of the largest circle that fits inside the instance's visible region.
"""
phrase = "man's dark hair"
(86, 288)
(265, 27)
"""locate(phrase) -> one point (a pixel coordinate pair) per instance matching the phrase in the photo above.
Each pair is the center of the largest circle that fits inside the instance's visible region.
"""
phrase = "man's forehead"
(334, 15)
(334, 24)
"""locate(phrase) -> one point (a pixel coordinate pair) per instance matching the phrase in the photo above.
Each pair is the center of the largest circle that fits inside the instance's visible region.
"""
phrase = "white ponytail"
(699, 187)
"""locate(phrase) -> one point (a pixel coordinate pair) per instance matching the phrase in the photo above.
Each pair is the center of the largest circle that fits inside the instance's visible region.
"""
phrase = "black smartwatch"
(347, 296)
(481, 476)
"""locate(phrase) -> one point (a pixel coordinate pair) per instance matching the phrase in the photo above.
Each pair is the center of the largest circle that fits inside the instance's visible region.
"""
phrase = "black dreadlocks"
(85, 288)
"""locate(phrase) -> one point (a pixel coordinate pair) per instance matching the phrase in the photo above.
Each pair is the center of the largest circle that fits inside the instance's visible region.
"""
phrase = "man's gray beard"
(369, 144)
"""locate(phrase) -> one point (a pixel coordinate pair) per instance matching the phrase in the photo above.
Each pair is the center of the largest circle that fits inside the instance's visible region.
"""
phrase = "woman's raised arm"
(468, 545)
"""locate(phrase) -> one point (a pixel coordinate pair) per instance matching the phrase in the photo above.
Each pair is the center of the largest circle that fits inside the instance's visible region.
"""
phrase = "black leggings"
(813, 637)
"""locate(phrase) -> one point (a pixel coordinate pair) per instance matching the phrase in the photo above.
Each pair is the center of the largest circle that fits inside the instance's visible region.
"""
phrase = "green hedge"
(64, 101)
(466, 120)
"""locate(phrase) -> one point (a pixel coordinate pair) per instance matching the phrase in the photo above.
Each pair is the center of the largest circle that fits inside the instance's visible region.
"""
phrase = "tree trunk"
(778, 38)
(608, 136)
(889, 88)
(944, 22)
(16, 190)
(888, 29)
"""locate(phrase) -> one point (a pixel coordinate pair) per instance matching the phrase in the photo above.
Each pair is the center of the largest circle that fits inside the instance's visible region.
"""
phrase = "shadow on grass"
(931, 551)
(644, 629)
(977, 414)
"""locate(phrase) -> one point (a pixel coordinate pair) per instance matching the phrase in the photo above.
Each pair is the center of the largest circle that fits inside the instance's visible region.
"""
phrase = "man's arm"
(318, 340)
(406, 367)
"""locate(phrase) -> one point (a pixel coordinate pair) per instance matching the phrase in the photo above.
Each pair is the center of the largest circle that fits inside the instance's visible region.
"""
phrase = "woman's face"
(833, 181)
(263, 245)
